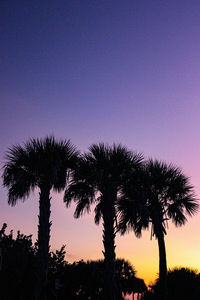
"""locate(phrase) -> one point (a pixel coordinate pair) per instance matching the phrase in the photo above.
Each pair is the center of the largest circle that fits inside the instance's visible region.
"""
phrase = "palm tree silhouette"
(160, 192)
(41, 163)
(99, 179)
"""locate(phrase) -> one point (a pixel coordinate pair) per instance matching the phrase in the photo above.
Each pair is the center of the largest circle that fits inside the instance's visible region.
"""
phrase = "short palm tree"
(99, 179)
(43, 164)
(162, 193)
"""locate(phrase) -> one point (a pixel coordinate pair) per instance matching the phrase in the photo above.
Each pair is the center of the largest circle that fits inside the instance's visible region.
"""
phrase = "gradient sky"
(123, 71)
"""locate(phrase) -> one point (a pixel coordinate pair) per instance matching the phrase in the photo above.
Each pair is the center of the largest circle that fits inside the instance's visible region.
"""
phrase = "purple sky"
(112, 71)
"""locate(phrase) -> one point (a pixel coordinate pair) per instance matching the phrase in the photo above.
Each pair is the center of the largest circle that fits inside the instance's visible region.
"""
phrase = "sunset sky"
(123, 71)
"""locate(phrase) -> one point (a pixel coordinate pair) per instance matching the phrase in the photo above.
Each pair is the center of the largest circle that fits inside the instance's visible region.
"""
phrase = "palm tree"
(43, 164)
(162, 193)
(100, 177)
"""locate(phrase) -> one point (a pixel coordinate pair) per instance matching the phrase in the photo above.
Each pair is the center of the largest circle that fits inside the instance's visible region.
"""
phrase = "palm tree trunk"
(110, 290)
(162, 266)
(43, 243)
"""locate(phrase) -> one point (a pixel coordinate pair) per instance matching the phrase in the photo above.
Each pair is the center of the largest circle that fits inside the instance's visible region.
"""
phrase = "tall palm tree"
(100, 177)
(162, 193)
(44, 164)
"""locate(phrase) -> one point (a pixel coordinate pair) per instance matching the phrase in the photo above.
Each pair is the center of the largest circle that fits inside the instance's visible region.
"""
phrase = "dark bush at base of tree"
(80, 280)
(183, 284)
(17, 270)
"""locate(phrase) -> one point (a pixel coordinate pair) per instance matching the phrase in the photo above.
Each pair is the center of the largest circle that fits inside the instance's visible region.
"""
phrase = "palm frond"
(83, 206)
(98, 211)
(16, 176)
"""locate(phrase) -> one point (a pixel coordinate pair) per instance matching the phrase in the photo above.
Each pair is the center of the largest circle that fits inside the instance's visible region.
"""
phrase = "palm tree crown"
(37, 162)
(162, 193)
(102, 169)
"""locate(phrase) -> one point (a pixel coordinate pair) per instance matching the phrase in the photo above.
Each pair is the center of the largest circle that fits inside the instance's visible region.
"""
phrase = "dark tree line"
(79, 280)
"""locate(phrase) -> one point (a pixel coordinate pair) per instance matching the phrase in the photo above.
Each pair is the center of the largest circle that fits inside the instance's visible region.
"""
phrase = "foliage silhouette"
(99, 179)
(158, 193)
(183, 284)
(80, 280)
(87, 279)
(18, 261)
(41, 163)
